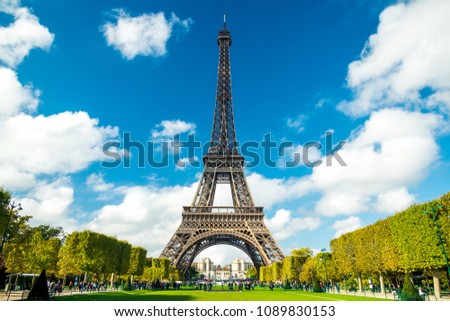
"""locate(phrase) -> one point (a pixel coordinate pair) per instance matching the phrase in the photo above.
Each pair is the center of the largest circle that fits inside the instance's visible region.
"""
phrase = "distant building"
(206, 267)
(210, 271)
(239, 268)
(222, 274)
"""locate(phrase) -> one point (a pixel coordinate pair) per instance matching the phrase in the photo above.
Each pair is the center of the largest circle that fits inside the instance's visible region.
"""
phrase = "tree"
(11, 223)
(293, 264)
(15, 252)
(193, 273)
(30, 251)
(4, 211)
(137, 261)
(156, 269)
(165, 268)
(443, 215)
(160, 269)
(346, 252)
(94, 253)
(252, 273)
(175, 274)
(124, 251)
(48, 232)
(277, 271)
(69, 255)
(414, 237)
(308, 274)
(323, 263)
(381, 256)
(265, 274)
(43, 253)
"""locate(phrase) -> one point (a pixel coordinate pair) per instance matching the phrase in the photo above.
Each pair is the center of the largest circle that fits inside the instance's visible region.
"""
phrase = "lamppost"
(10, 208)
(324, 258)
(439, 236)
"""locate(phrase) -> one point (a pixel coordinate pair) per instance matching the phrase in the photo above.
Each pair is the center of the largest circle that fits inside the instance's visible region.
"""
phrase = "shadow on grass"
(126, 296)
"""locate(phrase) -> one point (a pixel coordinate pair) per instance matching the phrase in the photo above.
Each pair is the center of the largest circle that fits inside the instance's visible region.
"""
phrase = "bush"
(409, 292)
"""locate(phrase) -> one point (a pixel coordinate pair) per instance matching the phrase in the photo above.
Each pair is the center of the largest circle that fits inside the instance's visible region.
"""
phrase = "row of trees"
(160, 269)
(404, 244)
(289, 270)
(99, 255)
(33, 249)
(411, 241)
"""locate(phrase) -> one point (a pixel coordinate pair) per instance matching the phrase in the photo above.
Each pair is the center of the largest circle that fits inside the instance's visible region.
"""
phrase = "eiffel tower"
(204, 225)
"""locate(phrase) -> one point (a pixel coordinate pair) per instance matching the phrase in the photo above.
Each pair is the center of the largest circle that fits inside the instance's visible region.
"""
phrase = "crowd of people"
(86, 286)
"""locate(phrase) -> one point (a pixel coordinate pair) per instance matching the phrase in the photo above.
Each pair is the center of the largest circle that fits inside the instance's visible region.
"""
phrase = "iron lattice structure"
(204, 225)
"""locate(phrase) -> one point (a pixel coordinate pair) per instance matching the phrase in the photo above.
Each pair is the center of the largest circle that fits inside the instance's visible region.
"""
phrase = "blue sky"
(75, 74)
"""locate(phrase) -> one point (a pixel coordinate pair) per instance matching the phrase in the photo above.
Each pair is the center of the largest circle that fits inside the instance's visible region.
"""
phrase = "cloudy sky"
(77, 74)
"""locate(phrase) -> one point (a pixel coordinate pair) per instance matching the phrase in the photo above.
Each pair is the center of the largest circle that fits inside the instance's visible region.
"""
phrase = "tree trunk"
(436, 284)
(85, 277)
(132, 279)
(112, 281)
(382, 284)
(360, 284)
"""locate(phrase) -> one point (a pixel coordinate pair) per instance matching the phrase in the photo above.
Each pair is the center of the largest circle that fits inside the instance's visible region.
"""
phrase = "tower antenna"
(224, 21)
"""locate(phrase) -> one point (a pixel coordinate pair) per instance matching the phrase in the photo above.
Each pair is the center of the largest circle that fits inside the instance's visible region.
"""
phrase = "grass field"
(197, 295)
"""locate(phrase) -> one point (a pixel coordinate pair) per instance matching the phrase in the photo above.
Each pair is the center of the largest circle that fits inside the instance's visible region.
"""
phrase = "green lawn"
(197, 295)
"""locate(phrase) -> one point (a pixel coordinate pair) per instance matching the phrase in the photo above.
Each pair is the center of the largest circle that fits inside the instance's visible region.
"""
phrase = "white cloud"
(54, 145)
(283, 225)
(222, 255)
(9, 6)
(270, 191)
(345, 226)
(13, 179)
(223, 196)
(63, 143)
(167, 129)
(145, 35)
(394, 201)
(298, 123)
(96, 181)
(386, 156)
(49, 203)
(390, 153)
(297, 155)
(408, 53)
(13, 96)
(185, 162)
(21, 36)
